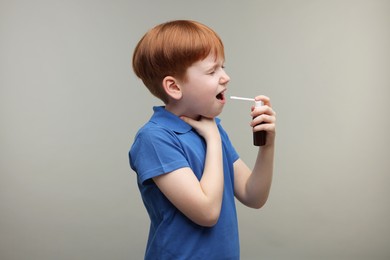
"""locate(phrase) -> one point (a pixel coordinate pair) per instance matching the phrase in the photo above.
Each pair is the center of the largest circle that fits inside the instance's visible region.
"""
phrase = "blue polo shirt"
(164, 144)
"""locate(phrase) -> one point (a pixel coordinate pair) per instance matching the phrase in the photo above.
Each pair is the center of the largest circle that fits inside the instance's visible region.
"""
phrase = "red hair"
(169, 49)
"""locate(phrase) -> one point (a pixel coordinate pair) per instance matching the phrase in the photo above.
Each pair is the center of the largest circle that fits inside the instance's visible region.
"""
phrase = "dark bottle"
(260, 137)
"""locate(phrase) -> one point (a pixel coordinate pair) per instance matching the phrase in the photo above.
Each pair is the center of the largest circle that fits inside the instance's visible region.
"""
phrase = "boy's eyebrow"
(215, 64)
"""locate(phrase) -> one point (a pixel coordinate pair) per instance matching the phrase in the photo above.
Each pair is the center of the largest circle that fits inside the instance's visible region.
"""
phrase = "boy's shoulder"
(151, 129)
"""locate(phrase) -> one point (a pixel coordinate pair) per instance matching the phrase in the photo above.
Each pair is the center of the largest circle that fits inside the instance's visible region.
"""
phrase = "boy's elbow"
(257, 204)
(209, 219)
(207, 223)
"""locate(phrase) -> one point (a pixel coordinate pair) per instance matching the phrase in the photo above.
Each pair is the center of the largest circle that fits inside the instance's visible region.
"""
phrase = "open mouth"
(220, 96)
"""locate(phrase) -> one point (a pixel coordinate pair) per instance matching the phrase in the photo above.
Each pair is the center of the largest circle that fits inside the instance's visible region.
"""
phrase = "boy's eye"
(214, 70)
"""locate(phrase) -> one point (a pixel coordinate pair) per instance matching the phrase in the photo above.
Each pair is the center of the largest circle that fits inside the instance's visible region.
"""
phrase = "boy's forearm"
(259, 183)
(212, 178)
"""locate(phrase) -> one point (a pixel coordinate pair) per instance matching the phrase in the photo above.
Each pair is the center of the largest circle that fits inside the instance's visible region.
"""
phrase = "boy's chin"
(212, 115)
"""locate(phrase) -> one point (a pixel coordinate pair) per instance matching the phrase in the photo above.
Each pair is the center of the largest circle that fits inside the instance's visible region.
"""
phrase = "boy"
(188, 172)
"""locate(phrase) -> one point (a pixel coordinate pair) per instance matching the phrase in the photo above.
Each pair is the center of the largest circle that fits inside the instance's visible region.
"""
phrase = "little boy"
(188, 171)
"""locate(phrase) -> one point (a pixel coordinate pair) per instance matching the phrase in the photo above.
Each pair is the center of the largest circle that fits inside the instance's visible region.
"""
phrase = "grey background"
(70, 106)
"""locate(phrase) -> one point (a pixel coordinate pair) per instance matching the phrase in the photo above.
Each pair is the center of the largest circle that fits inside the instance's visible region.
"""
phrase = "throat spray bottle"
(259, 137)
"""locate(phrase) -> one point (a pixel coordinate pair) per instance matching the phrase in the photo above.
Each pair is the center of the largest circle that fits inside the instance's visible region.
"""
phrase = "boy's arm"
(252, 187)
(200, 200)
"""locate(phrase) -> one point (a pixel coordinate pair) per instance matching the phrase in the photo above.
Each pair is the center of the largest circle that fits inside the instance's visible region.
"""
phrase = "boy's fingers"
(266, 100)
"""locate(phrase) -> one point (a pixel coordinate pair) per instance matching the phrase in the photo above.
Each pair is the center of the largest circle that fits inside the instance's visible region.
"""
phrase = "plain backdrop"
(70, 106)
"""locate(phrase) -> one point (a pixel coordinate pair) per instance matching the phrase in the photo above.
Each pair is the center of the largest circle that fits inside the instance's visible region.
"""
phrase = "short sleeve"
(156, 151)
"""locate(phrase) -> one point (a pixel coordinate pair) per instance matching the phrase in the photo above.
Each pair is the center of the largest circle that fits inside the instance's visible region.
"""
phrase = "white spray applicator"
(259, 138)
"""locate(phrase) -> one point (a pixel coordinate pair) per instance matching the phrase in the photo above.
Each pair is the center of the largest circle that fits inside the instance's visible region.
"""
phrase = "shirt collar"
(171, 121)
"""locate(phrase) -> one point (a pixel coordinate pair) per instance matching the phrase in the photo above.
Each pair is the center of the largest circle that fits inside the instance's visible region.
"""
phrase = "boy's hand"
(206, 127)
(264, 118)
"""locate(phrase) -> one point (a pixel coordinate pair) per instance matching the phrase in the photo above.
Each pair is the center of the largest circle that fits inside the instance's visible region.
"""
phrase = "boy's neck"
(180, 112)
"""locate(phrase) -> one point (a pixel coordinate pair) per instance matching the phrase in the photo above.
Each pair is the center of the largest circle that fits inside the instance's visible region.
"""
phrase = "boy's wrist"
(213, 140)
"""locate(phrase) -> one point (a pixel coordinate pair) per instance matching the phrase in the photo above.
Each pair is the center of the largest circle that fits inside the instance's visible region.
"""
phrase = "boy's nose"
(224, 78)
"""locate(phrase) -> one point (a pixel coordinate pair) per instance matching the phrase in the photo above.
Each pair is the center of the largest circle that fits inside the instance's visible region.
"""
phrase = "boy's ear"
(171, 87)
